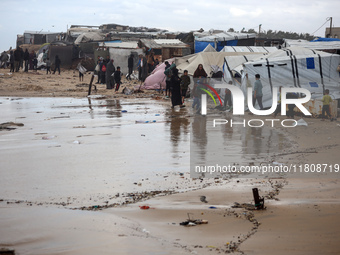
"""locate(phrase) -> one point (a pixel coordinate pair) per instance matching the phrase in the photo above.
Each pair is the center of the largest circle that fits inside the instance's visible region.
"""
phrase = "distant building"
(335, 33)
(165, 48)
(39, 37)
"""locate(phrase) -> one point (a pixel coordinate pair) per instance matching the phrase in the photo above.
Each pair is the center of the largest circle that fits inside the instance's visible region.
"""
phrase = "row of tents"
(290, 67)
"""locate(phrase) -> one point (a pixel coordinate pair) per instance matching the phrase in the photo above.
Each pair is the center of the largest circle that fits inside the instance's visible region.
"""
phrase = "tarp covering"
(156, 80)
(88, 37)
(218, 40)
(315, 45)
(248, 49)
(295, 67)
(207, 59)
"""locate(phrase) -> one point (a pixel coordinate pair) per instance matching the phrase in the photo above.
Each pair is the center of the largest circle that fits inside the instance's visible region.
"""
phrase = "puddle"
(89, 151)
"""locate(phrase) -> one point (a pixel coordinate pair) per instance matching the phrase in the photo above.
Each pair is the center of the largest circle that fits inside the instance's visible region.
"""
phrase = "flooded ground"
(94, 150)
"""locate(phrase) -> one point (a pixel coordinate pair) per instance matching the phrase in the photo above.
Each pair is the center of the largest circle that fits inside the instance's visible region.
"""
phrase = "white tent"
(248, 49)
(207, 59)
(293, 67)
(317, 45)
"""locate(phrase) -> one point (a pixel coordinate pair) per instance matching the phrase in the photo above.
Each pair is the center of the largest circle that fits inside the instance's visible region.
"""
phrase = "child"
(326, 100)
(185, 81)
(48, 66)
(117, 78)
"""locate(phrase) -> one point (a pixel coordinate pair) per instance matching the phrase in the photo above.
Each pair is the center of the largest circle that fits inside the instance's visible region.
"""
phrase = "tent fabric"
(224, 36)
(321, 39)
(207, 59)
(314, 45)
(248, 49)
(209, 48)
(303, 68)
(88, 37)
(156, 80)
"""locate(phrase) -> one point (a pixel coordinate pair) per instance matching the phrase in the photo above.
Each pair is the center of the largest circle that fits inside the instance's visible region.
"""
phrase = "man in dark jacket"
(57, 63)
(17, 57)
(26, 58)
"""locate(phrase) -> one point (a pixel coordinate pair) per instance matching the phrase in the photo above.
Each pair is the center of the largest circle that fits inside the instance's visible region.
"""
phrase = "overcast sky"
(299, 16)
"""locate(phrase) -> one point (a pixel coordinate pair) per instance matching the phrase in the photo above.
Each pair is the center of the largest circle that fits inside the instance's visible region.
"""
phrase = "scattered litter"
(301, 122)
(144, 207)
(127, 91)
(193, 222)
(8, 125)
(76, 142)
(124, 110)
(145, 121)
(203, 199)
(212, 207)
(157, 114)
(277, 163)
(48, 137)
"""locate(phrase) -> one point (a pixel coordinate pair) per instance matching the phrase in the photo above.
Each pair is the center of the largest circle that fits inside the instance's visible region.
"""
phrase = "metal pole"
(330, 28)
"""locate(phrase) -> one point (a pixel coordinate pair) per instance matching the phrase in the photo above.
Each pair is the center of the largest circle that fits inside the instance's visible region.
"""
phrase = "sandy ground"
(301, 215)
(67, 84)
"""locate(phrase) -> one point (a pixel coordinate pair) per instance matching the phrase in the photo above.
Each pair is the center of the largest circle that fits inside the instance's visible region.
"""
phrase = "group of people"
(20, 59)
(176, 87)
(107, 73)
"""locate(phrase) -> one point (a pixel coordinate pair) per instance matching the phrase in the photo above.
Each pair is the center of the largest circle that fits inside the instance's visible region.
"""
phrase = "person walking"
(57, 63)
(257, 96)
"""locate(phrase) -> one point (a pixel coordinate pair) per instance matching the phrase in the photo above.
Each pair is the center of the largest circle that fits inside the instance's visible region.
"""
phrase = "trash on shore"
(8, 125)
(301, 122)
(193, 222)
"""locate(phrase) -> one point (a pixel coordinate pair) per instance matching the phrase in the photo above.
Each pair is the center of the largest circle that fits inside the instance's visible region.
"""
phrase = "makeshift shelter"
(292, 67)
(248, 49)
(89, 37)
(323, 44)
(120, 51)
(165, 48)
(207, 59)
(219, 40)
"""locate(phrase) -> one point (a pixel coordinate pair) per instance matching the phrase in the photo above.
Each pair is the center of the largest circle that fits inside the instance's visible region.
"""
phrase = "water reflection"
(114, 108)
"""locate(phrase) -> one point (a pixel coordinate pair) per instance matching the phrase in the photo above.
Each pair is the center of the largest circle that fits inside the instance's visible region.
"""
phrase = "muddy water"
(93, 150)
(86, 152)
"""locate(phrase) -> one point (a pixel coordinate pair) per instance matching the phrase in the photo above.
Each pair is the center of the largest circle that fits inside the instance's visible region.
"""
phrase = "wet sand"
(41, 207)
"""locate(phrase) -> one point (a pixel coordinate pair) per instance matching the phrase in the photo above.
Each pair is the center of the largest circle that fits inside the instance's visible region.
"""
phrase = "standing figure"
(110, 69)
(257, 96)
(48, 66)
(326, 100)
(17, 57)
(103, 71)
(185, 81)
(227, 97)
(151, 62)
(57, 63)
(199, 78)
(11, 61)
(130, 66)
(176, 97)
(142, 68)
(167, 79)
(26, 58)
(31, 59)
(117, 77)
